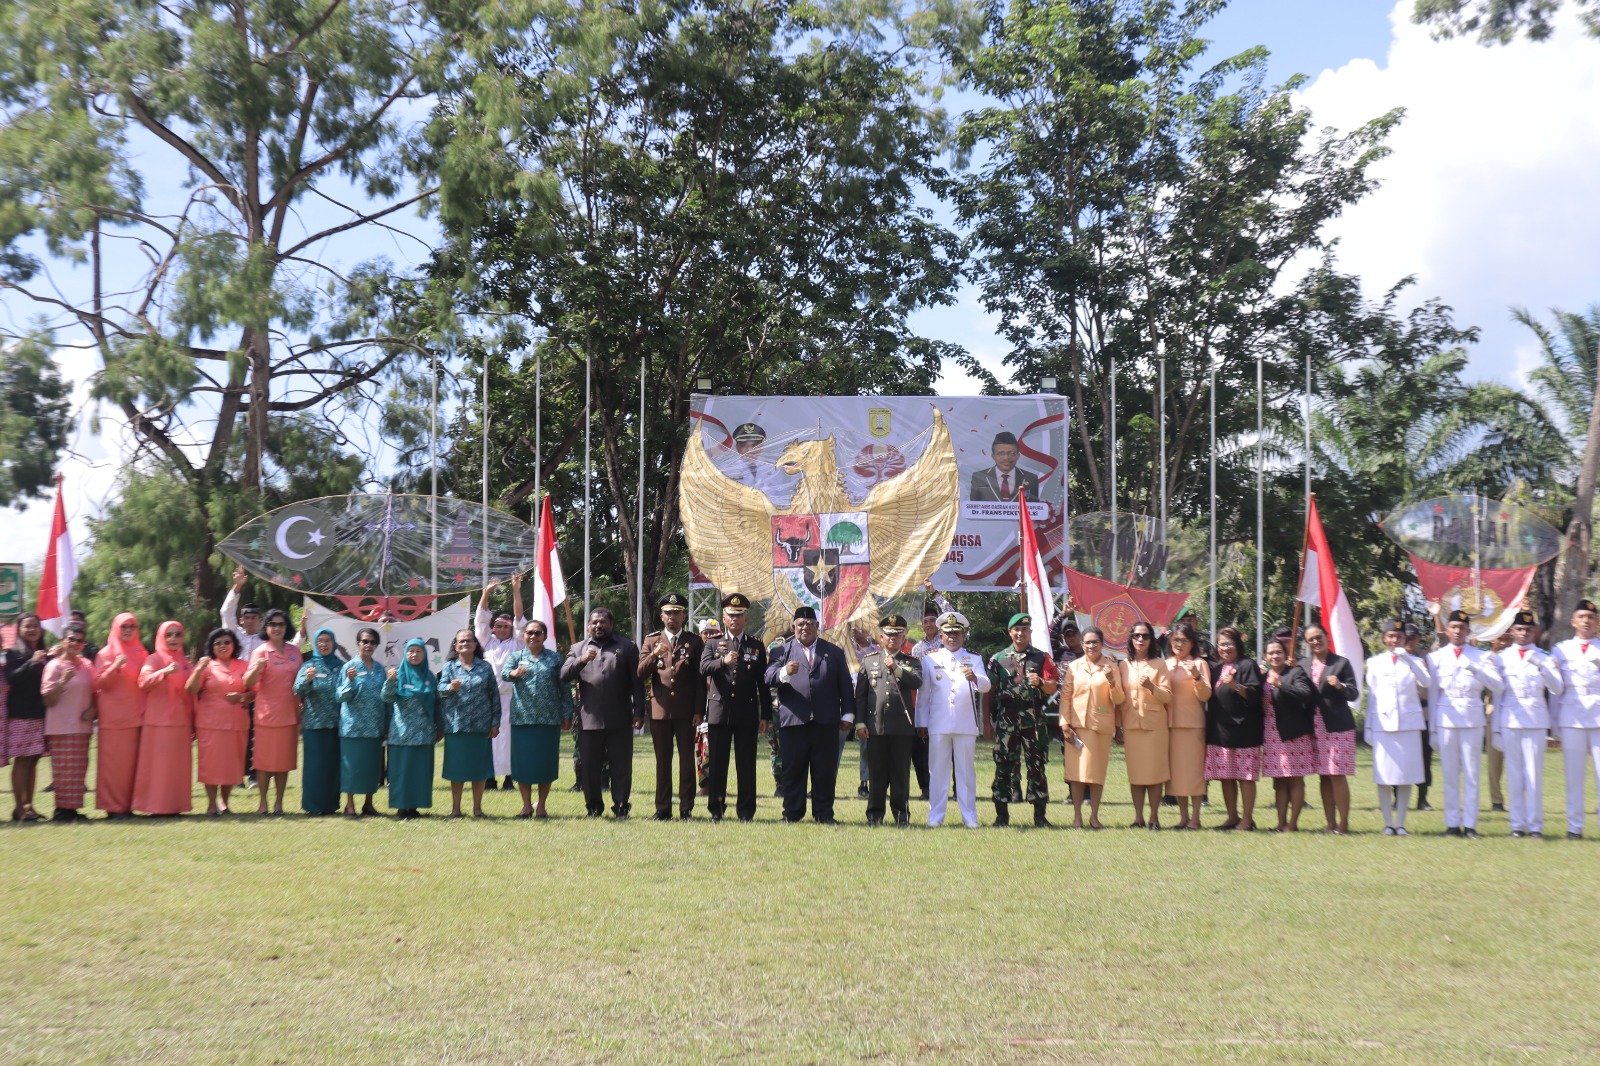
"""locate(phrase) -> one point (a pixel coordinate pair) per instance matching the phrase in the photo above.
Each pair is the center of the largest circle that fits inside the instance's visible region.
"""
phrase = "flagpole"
(1294, 623)
(1261, 522)
(538, 432)
(1212, 420)
(1111, 435)
(1308, 434)
(638, 596)
(484, 557)
(433, 473)
(1161, 429)
(588, 470)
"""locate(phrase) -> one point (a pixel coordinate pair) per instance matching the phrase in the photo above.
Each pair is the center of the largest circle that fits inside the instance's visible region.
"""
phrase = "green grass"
(293, 940)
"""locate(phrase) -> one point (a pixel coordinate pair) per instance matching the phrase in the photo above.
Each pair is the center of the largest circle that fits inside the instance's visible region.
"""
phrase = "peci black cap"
(804, 612)
(1524, 618)
(675, 600)
(1585, 605)
(1459, 616)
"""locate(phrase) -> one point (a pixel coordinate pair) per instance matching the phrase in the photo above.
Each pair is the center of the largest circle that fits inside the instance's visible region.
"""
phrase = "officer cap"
(1459, 616)
(736, 603)
(953, 622)
(674, 601)
(1394, 625)
(749, 431)
(1524, 618)
(804, 612)
(1021, 618)
(892, 623)
(1585, 605)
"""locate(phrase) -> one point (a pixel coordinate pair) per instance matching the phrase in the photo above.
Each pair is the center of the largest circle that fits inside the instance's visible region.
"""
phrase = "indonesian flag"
(1319, 587)
(549, 587)
(60, 570)
(1035, 579)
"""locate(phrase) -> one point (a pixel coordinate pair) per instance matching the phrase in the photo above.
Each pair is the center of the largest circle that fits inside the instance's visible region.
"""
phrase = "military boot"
(1039, 809)
(1002, 813)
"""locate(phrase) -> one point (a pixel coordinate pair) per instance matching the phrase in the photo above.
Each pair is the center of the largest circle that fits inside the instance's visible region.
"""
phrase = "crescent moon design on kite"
(283, 542)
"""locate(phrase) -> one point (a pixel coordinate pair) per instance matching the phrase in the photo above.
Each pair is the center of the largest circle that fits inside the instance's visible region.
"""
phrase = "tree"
(34, 418)
(178, 179)
(696, 188)
(1500, 21)
(1566, 383)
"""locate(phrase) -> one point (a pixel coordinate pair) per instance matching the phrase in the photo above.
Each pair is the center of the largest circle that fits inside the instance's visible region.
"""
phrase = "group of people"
(1185, 713)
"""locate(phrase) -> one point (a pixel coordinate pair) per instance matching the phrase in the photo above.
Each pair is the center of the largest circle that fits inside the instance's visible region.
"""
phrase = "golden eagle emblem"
(843, 558)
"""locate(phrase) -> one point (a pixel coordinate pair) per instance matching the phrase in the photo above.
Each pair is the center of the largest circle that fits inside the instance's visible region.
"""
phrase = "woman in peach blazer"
(1144, 722)
(1190, 678)
(1091, 714)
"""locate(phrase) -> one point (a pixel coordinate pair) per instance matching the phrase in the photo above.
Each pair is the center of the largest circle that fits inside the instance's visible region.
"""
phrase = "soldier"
(670, 659)
(886, 702)
(949, 714)
(737, 706)
(1013, 715)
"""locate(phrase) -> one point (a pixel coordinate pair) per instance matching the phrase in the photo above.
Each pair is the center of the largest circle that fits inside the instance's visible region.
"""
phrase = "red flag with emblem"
(1114, 608)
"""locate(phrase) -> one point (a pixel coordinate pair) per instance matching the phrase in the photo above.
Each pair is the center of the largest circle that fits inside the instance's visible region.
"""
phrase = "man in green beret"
(1014, 717)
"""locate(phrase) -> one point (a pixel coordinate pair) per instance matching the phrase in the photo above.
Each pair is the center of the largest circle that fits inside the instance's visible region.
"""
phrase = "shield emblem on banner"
(825, 560)
(878, 421)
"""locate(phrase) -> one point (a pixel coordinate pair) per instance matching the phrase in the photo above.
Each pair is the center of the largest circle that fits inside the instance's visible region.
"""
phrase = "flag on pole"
(549, 586)
(60, 570)
(1035, 579)
(1319, 587)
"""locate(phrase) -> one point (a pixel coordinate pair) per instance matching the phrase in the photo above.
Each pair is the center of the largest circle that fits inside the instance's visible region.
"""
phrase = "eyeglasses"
(367, 642)
(1316, 640)
(276, 622)
(1138, 636)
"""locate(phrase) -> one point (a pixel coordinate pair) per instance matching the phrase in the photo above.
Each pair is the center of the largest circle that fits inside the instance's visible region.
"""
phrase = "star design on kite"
(362, 583)
(315, 537)
(297, 579)
(820, 572)
(415, 583)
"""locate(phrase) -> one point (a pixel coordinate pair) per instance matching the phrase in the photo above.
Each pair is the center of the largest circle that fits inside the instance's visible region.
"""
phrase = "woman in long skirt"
(119, 714)
(1190, 678)
(68, 694)
(1397, 683)
(415, 726)
(1334, 735)
(318, 689)
(1144, 723)
(469, 698)
(273, 668)
(1234, 731)
(25, 662)
(221, 720)
(1091, 714)
(1286, 749)
(541, 704)
(363, 716)
(164, 782)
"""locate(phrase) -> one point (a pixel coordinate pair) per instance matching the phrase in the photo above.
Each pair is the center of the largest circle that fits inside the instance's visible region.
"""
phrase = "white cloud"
(1488, 195)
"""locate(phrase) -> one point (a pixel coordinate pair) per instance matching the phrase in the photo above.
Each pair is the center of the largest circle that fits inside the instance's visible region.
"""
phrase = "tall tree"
(34, 417)
(686, 189)
(1501, 21)
(180, 179)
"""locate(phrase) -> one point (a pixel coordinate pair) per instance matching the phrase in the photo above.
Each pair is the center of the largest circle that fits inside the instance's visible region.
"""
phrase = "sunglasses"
(1139, 636)
(276, 622)
(366, 643)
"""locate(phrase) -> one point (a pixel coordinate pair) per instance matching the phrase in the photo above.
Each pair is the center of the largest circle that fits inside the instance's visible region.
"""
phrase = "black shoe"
(61, 815)
(902, 821)
(1574, 836)
(508, 784)
(715, 818)
(577, 786)
(1002, 813)
(663, 816)
(684, 816)
(829, 820)
(491, 784)
(862, 792)
(1169, 801)
(1517, 834)
(1452, 831)
(1423, 805)
(874, 822)
(1501, 807)
(922, 797)
(1470, 833)
(1040, 807)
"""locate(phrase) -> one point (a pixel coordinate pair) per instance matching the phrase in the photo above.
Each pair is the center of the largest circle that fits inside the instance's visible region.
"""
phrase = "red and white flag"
(549, 586)
(60, 570)
(1319, 587)
(1035, 579)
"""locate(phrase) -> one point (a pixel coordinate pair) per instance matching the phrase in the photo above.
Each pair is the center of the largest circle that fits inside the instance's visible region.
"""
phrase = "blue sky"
(1487, 198)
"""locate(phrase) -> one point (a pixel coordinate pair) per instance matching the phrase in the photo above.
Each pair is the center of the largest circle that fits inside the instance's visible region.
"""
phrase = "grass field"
(293, 940)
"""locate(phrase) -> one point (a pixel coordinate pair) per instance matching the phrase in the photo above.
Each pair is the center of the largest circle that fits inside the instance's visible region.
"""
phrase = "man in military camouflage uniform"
(1024, 679)
(886, 700)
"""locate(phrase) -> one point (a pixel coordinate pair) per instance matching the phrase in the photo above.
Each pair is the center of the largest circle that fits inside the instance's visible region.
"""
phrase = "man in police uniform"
(747, 466)
(1577, 712)
(737, 707)
(1024, 679)
(670, 659)
(1521, 721)
(886, 701)
(948, 713)
(1455, 704)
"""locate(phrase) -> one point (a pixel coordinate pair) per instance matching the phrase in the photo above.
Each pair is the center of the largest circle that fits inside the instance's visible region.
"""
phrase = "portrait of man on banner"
(999, 483)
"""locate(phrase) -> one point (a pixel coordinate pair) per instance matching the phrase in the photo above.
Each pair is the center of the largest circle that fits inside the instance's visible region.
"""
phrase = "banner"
(1492, 601)
(1003, 446)
(11, 575)
(1114, 608)
(438, 629)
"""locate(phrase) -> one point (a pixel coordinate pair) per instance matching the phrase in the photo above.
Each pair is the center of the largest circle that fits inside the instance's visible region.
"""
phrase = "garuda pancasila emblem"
(844, 558)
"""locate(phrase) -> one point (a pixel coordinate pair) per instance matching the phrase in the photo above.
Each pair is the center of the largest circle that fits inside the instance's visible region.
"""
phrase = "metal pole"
(1111, 436)
(638, 598)
(1308, 435)
(433, 473)
(1161, 428)
(1261, 523)
(1213, 506)
(484, 557)
(588, 472)
(538, 432)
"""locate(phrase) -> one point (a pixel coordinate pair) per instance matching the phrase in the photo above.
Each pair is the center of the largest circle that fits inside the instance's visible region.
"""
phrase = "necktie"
(1458, 653)
(1005, 485)
(1394, 659)
(1583, 649)
(1522, 653)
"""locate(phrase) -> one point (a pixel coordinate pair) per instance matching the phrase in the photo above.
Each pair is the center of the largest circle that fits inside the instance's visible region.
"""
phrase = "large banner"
(1003, 446)
(437, 629)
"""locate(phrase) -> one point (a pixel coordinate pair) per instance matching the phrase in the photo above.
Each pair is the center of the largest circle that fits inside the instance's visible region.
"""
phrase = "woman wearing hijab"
(469, 699)
(363, 716)
(1234, 731)
(541, 706)
(1092, 698)
(1144, 723)
(221, 720)
(1286, 753)
(163, 785)
(273, 668)
(1334, 735)
(25, 662)
(318, 688)
(119, 712)
(415, 726)
(67, 691)
(1190, 677)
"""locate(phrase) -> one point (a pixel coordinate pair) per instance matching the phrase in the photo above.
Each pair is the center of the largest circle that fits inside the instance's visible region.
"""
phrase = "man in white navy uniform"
(1521, 722)
(1577, 711)
(1461, 673)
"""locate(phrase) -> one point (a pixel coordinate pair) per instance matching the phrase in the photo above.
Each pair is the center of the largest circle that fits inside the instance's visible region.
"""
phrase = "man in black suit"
(610, 707)
(737, 705)
(999, 483)
(815, 704)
